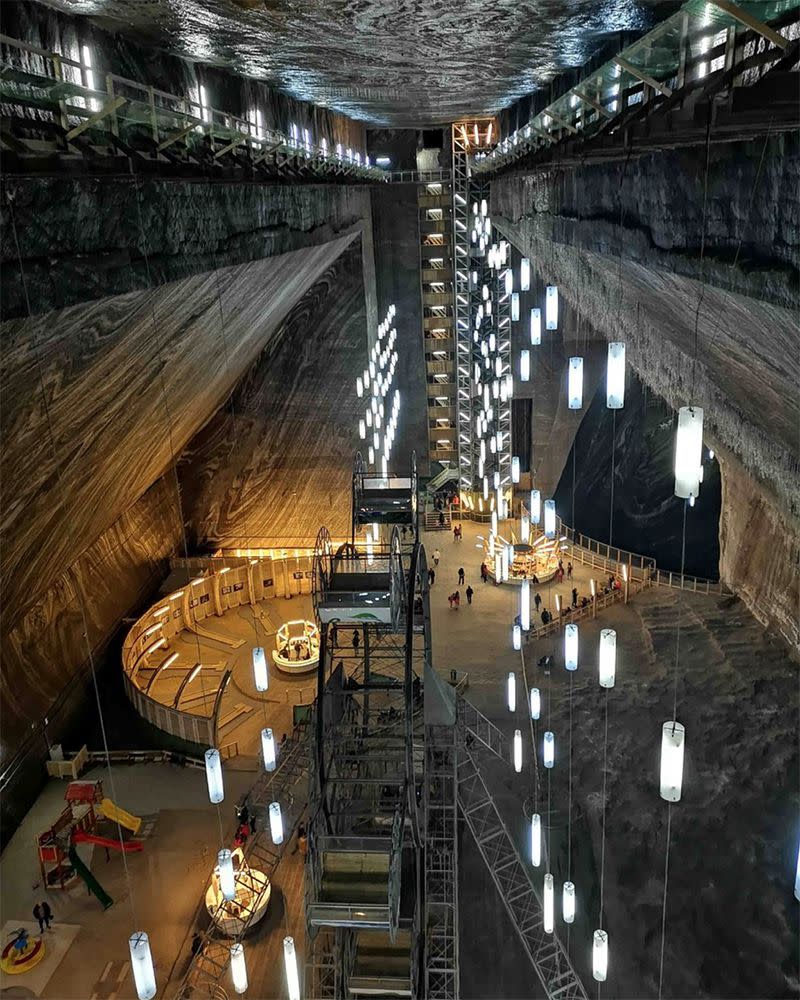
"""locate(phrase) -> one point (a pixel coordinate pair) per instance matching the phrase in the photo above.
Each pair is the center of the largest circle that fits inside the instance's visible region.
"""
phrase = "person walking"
(456, 600)
(537, 600)
(356, 641)
(574, 597)
(43, 914)
(455, 532)
(461, 576)
(431, 577)
(470, 592)
(441, 518)
(569, 570)
(436, 555)
(301, 835)
(484, 572)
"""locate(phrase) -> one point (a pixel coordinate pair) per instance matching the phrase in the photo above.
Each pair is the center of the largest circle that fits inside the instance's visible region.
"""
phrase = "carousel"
(296, 647)
(253, 891)
(513, 562)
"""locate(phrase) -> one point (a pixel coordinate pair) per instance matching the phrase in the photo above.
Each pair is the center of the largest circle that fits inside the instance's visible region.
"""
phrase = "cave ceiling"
(400, 63)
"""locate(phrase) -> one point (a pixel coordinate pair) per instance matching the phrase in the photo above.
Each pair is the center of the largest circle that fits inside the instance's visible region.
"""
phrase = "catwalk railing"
(700, 49)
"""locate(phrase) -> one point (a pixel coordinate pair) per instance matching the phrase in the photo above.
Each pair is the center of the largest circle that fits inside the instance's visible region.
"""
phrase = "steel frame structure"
(460, 154)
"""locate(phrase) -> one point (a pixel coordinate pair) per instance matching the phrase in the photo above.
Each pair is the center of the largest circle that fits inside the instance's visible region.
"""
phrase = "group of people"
(296, 650)
(457, 534)
(560, 572)
(454, 599)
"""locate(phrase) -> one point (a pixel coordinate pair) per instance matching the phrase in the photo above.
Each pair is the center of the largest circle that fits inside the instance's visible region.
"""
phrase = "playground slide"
(92, 884)
(117, 815)
(128, 846)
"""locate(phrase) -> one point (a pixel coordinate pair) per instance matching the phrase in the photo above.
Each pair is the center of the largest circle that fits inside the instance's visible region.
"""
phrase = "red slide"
(129, 846)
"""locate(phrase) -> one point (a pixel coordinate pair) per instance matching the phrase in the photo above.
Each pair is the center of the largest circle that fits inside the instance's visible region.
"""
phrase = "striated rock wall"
(275, 462)
(720, 332)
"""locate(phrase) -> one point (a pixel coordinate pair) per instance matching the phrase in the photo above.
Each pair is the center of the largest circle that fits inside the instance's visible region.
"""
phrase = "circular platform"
(296, 647)
(15, 959)
(253, 892)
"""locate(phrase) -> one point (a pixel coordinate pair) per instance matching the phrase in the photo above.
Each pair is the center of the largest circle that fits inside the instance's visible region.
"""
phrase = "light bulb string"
(74, 573)
(613, 462)
(171, 437)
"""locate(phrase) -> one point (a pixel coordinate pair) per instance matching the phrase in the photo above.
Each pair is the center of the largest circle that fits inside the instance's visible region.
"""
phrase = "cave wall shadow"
(648, 517)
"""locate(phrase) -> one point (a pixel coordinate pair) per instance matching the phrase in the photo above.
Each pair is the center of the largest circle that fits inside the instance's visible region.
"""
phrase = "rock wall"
(275, 462)
(622, 243)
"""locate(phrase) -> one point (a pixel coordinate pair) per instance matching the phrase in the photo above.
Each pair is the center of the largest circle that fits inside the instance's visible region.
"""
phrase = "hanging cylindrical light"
(551, 308)
(514, 468)
(515, 307)
(536, 327)
(536, 506)
(517, 750)
(494, 522)
(260, 670)
(525, 605)
(359, 387)
(615, 376)
(290, 965)
(268, 749)
(673, 736)
(362, 429)
(549, 749)
(213, 760)
(511, 691)
(525, 528)
(600, 956)
(571, 646)
(525, 366)
(504, 562)
(548, 904)
(484, 207)
(689, 452)
(516, 637)
(144, 976)
(524, 274)
(238, 968)
(575, 383)
(536, 703)
(608, 657)
(227, 880)
(509, 282)
(536, 840)
(275, 823)
(568, 902)
(550, 518)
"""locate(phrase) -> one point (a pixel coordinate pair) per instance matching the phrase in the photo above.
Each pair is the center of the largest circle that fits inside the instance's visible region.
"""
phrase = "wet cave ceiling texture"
(400, 63)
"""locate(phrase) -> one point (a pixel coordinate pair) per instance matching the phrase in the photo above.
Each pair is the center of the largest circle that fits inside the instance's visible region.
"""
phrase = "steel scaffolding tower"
(460, 146)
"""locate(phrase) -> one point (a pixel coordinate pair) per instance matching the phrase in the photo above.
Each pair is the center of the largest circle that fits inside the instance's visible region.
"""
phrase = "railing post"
(153, 120)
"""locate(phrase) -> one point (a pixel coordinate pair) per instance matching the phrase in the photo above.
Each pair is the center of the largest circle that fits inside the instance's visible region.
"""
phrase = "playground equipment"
(253, 891)
(21, 952)
(296, 647)
(87, 818)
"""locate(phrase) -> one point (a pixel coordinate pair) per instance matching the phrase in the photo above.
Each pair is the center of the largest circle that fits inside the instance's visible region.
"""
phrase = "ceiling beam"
(649, 80)
(751, 22)
(592, 104)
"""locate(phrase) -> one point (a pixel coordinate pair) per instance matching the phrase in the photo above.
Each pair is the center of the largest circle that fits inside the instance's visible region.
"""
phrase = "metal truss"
(441, 864)
(287, 782)
(467, 462)
(512, 879)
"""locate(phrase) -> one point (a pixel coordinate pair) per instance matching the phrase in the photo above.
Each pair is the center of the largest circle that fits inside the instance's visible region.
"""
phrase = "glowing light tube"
(607, 662)
(517, 750)
(275, 823)
(524, 275)
(514, 306)
(548, 902)
(571, 646)
(689, 452)
(600, 956)
(575, 383)
(516, 639)
(568, 902)
(216, 792)
(525, 366)
(260, 670)
(615, 376)
(536, 840)
(144, 976)
(268, 749)
(551, 308)
(290, 965)
(509, 282)
(550, 518)
(504, 563)
(536, 703)
(227, 882)
(549, 749)
(525, 605)
(359, 387)
(514, 468)
(536, 506)
(238, 968)
(525, 528)
(536, 327)
(673, 736)
(511, 691)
